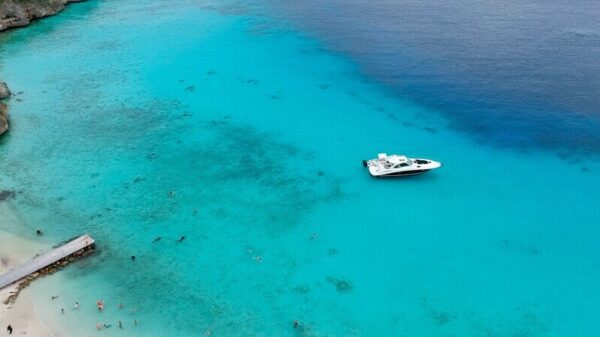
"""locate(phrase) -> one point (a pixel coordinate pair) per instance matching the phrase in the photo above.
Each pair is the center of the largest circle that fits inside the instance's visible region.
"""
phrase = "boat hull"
(376, 170)
(400, 174)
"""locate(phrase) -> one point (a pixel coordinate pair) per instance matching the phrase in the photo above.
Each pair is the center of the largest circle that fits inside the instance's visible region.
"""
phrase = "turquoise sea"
(240, 129)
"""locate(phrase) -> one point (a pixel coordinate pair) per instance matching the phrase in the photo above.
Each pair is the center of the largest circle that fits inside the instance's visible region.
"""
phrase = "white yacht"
(398, 166)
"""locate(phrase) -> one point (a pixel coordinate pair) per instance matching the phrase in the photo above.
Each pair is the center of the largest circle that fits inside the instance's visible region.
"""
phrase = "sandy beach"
(21, 315)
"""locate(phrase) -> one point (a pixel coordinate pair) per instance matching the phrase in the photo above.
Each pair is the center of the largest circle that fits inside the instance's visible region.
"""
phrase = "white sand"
(22, 314)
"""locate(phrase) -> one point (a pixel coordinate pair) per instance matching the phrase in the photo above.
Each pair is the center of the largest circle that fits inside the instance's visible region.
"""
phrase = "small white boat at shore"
(399, 165)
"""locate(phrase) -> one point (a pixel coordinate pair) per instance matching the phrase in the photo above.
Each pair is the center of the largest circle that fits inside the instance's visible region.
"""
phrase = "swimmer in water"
(181, 239)
(157, 239)
(100, 305)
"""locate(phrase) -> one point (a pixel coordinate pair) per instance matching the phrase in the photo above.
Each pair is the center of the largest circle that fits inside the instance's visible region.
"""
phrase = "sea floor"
(246, 137)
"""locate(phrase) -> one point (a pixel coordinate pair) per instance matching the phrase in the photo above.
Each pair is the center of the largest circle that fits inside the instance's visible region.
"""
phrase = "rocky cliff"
(18, 13)
(4, 93)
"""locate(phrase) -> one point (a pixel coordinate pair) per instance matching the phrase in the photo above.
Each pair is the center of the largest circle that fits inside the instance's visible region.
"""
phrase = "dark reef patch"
(525, 249)
(341, 286)
(526, 324)
(251, 81)
(442, 317)
(6, 195)
(332, 252)
(302, 289)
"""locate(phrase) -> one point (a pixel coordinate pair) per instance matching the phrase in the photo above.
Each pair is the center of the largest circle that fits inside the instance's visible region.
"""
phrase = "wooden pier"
(46, 260)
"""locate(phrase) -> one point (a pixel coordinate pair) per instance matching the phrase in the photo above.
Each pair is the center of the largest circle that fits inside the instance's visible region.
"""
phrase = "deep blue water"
(515, 74)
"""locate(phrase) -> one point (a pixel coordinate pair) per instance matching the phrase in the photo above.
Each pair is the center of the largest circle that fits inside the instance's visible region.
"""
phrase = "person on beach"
(9, 329)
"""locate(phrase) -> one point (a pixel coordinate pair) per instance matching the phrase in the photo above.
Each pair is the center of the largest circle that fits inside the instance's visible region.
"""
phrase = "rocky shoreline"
(4, 94)
(19, 13)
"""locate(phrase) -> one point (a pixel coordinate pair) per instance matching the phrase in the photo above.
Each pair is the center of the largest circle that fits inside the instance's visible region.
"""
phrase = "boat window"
(404, 164)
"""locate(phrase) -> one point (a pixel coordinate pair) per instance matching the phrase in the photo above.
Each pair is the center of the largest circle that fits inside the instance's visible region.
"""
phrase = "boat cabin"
(393, 161)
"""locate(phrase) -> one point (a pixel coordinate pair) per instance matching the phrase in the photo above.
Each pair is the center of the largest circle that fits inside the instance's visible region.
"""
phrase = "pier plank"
(45, 260)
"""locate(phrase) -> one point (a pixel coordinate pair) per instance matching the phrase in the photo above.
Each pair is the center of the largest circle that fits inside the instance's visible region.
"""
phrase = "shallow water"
(244, 135)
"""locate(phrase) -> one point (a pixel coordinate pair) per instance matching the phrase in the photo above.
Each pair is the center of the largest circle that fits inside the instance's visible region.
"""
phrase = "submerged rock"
(4, 91)
(6, 195)
(3, 118)
(18, 13)
(342, 286)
